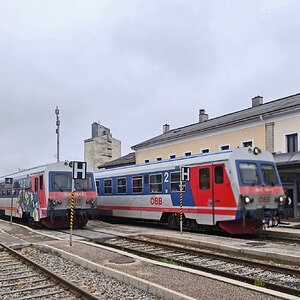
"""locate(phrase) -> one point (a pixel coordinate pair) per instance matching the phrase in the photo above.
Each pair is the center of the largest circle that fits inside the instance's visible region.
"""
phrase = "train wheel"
(173, 221)
(33, 224)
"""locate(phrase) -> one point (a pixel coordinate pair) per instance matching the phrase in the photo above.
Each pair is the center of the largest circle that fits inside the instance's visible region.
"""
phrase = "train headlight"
(53, 202)
(247, 199)
(256, 151)
(280, 199)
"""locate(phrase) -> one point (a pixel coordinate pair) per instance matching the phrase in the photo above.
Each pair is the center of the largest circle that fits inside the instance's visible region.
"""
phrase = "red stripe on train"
(172, 210)
(261, 190)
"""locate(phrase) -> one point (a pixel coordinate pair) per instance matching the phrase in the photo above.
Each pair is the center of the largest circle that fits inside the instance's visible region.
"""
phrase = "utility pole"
(57, 132)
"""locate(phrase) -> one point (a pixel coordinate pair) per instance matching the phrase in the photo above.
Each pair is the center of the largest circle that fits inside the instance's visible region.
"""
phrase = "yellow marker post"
(180, 206)
(71, 215)
(11, 201)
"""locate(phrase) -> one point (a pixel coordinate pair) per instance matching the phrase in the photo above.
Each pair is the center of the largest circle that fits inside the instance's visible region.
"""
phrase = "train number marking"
(166, 177)
(156, 200)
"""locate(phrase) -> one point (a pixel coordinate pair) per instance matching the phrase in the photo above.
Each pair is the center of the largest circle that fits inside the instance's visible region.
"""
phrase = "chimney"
(202, 116)
(166, 128)
(256, 101)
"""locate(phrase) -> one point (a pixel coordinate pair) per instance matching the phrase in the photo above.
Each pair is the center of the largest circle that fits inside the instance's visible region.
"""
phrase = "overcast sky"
(134, 65)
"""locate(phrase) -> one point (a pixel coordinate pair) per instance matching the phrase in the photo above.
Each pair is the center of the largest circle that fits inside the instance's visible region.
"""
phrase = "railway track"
(21, 278)
(279, 278)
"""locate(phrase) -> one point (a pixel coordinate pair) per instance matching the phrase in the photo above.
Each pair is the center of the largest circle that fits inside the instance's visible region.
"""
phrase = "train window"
(204, 179)
(2, 188)
(156, 183)
(121, 185)
(36, 184)
(137, 184)
(61, 181)
(269, 175)
(41, 182)
(219, 176)
(249, 173)
(107, 186)
(175, 182)
(98, 186)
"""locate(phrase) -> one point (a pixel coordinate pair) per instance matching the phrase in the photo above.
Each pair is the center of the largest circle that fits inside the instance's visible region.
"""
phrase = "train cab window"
(269, 175)
(204, 179)
(175, 182)
(137, 184)
(121, 185)
(61, 181)
(107, 186)
(249, 173)
(219, 175)
(156, 183)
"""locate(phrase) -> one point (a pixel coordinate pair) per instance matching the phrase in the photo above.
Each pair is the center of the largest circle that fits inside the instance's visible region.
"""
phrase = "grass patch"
(259, 282)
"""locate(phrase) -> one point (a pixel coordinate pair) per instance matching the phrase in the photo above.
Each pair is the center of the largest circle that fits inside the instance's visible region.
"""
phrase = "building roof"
(125, 160)
(263, 110)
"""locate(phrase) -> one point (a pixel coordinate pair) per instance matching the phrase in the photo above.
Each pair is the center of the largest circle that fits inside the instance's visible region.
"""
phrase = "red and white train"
(235, 190)
(41, 196)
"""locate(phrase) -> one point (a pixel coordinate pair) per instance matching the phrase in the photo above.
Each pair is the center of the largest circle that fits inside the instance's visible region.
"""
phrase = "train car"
(41, 196)
(236, 191)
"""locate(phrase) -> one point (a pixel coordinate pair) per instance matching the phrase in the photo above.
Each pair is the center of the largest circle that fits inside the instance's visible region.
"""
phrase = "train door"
(202, 186)
(39, 197)
(213, 192)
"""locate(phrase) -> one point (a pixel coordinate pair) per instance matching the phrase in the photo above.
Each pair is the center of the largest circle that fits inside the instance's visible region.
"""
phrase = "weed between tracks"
(168, 261)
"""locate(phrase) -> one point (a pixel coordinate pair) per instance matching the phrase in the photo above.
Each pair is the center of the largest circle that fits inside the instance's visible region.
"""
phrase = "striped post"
(180, 207)
(71, 216)
(11, 202)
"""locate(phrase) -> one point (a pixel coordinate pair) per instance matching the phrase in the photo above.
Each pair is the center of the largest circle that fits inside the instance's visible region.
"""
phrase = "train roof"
(176, 163)
(58, 166)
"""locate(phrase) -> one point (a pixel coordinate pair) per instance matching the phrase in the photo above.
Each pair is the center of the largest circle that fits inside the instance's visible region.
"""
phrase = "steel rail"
(69, 285)
(249, 263)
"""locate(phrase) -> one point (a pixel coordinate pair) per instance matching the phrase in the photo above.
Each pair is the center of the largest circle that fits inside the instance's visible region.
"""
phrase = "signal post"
(78, 172)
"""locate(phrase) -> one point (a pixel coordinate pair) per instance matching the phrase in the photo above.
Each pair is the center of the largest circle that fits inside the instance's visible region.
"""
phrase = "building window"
(158, 158)
(175, 182)
(121, 185)
(172, 156)
(224, 147)
(146, 161)
(189, 153)
(137, 184)
(205, 150)
(107, 186)
(247, 144)
(292, 142)
(156, 183)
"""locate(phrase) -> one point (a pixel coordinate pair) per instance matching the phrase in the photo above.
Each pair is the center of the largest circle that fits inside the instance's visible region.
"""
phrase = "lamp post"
(57, 132)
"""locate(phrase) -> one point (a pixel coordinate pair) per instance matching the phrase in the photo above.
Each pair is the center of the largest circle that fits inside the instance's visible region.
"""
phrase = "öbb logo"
(264, 199)
(156, 200)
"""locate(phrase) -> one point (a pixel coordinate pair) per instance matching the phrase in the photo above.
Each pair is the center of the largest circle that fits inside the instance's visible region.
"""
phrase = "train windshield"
(84, 185)
(63, 182)
(249, 173)
(269, 174)
(256, 174)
